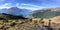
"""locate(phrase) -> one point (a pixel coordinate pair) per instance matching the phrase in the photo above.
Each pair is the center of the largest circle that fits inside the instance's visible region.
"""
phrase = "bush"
(5, 21)
(16, 20)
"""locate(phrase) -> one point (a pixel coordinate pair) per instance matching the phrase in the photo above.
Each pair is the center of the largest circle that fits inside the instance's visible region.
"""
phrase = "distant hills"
(15, 11)
(45, 13)
(42, 13)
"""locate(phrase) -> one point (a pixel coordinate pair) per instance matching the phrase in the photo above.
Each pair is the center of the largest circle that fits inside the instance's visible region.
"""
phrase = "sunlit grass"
(25, 23)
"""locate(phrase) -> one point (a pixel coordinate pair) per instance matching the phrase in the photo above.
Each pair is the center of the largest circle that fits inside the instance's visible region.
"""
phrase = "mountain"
(3, 10)
(16, 11)
(45, 13)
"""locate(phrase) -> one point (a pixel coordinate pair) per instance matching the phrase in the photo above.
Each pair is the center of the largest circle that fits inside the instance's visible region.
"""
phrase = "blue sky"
(29, 4)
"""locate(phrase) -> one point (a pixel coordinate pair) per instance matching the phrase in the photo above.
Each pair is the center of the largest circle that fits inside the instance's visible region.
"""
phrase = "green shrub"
(41, 20)
(5, 21)
(16, 20)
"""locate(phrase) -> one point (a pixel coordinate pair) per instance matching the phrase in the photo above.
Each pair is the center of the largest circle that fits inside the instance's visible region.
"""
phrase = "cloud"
(17, 4)
(6, 5)
(34, 7)
(30, 6)
(23, 4)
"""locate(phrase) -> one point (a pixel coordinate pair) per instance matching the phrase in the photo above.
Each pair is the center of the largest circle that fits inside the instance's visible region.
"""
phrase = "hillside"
(5, 16)
(46, 13)
(31, 24)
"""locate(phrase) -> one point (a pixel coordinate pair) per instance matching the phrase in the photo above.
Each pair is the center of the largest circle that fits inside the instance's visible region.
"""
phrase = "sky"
(29, 4)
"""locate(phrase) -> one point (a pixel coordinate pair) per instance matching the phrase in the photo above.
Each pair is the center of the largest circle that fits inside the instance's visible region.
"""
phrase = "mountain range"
(42, 13)
(45, 13)
(15, 11)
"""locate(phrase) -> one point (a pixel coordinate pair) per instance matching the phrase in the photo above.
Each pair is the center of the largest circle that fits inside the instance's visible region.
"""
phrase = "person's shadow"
(48, 27)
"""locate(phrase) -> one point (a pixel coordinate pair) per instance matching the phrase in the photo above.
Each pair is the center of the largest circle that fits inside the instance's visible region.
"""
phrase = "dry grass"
(26, 24)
